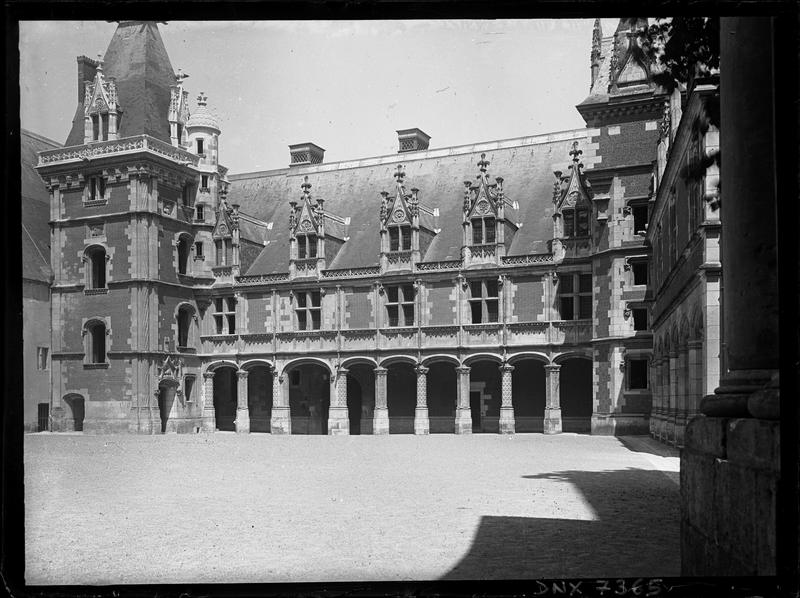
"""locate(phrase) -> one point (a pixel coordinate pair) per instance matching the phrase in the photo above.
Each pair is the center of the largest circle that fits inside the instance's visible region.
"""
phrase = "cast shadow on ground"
(644, 444)
(635, 534)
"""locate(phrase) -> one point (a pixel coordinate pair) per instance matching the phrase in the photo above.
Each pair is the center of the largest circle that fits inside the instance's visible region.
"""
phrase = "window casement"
(400, 305)
(576, 222)
(225, 315)
(639, 269)
(224, 250)
(200, 147)
(306, 246)
(203, 182)
(198, 250)
(100, 127)
(484, 301)
(307, 309)
(184, 321)
(637, 373)
(41, 358)
(186, 195)
(640, 214)
(400, 237)
(199, 212)
(96, 188)
(184, 248)
(95, 342)
(96, 262)
(639, 318)
(484, 230)
(575, 296)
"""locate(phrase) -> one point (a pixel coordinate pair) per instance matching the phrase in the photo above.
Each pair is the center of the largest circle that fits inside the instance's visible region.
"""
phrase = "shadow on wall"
(636, 533)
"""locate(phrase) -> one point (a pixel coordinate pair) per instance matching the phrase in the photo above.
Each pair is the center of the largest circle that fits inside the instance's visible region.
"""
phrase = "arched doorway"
(485, 395)
(309, 398)
(225, 389)
(360, 397)
(528, 395)
(166, 402)
(259, 397)
(442, 396)
(575, 386)
(401, 397)
(77, 412)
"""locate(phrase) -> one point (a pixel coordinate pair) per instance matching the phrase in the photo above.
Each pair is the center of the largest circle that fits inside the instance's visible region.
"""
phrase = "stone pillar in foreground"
(506, 422)
(280, 418)
(463, 424)
(242, 421)
(552, 407)
(673, 395)
(380, 418)
(421, 422)
(338, 419)
(209, 418)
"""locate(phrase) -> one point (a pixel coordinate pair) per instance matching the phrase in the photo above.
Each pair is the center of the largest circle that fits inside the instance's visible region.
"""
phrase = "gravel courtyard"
(261, 508)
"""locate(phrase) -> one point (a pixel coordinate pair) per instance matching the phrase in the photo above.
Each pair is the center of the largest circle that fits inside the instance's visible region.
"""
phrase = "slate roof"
(352, 189)
(35, 209)
(137, 58)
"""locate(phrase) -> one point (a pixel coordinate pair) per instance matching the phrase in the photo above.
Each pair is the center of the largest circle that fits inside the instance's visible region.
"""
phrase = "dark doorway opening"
(225, 389)
(475, 410)
(77, 407)
(309, 398)
(575, 386)
(442, 397)
(401, 397)
(259, 398)
(43, 418)
(529, 388)
(354, 405)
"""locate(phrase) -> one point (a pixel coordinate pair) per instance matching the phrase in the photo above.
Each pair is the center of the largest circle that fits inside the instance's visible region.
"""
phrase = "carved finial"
(180, 77)
(482, 164)
(597, 36)
(467, 202)
(399, 175)
(202, 99)
(575, 153)
(99, 63)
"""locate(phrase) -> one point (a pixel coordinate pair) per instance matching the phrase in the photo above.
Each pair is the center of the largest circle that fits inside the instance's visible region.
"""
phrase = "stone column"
(338, 418)
(552, 407)
(506, 405)
(280, 418)
(463, 423)
(673, 397)
(654, 376)
(695, 350)
(209, 418)
(684, 384)
(242, 421)
(749, 231)
(380, 418)
(421, 422)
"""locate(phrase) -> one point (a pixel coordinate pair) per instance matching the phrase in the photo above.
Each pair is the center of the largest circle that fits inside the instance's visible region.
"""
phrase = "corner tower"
(124, 241)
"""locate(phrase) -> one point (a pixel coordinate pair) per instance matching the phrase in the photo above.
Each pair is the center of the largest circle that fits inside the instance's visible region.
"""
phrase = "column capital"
(552, 367)
(463, 369)
(380, 371)
(342, 371)
(421, 370)
(208, 375)
(242, 374)
(506, 367)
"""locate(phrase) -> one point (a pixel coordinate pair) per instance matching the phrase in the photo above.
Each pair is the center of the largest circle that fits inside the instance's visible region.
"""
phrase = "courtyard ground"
(261, 508)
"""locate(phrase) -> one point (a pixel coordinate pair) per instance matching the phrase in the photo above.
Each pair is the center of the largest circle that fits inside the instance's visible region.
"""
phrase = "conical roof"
(137, 59)
(203, 117)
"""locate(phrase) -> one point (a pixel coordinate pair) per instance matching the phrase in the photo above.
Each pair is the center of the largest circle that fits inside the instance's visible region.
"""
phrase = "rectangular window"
(569, 222)
(489, 230)
(200, 147)
(220, 252)
(575, 296)
(639, 272)
(484, 301)
(186, 195)
(640, 319)
(477, 231)
(97, 188)
(104, 121)
(400, 238)
(484, 230)
(198, 250)
(199, 212)
(639, 219)
(306, 246)
(582, 225)
(95, 127)
(41, 358)
(394, 238)
(637, 374)
(204, 182)
(308, 310)
(225, 315)
(400, 305)
(576, 222)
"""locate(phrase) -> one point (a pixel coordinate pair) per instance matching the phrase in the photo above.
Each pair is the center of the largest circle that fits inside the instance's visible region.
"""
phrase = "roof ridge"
(40, 137)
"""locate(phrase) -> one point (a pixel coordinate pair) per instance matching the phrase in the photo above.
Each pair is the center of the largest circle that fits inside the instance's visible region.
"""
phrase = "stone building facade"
(495, 287)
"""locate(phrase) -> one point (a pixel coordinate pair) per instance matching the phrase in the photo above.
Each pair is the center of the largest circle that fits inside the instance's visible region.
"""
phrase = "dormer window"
(200, 147)
(484, 230)
(224, 249)
(100, 127)
(400, 238)
(306, 246)
(576, 222)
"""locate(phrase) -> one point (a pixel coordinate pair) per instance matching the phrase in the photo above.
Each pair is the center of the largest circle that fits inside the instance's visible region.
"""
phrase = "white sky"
(345, 85)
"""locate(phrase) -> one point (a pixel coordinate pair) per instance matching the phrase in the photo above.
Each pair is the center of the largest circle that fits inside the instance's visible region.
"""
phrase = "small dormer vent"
(303, 154)
(412, 140)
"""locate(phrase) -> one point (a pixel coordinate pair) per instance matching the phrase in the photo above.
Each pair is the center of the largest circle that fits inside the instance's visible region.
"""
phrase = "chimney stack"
(303, 154)
(412, 140)
(87, 68)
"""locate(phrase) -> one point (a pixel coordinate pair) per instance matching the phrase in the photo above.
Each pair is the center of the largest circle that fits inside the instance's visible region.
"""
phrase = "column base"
(380, 421)
(506, 422)
(421, 422)
(242, 421)
(280, 421)
(735, 389)
(209, 422)
(463, 424)
(552, 420)
(338, 421)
